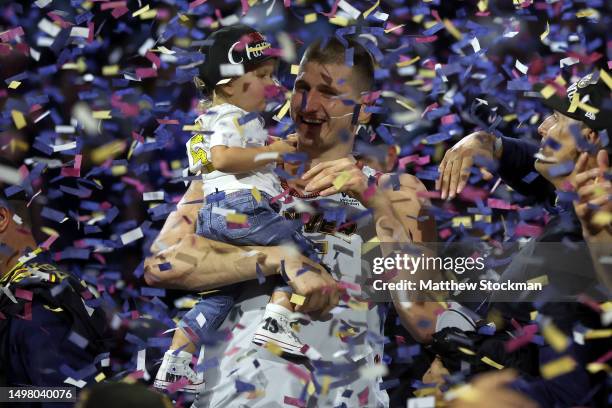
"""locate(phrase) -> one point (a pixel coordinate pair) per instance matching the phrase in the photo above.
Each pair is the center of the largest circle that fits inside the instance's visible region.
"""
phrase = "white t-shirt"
(350, 377)
(228, 125)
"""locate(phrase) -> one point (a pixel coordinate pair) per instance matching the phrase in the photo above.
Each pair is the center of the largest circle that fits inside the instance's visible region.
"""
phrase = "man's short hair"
(331, 50)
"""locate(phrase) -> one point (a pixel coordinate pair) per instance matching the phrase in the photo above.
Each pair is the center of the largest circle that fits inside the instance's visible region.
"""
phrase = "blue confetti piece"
(153, 292)
(244, 386)
(561, 169)
(530, 177)
(77, 339)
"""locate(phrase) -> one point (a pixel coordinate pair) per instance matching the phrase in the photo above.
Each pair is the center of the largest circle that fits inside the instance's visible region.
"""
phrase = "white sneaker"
(275, 327)
(176, 367)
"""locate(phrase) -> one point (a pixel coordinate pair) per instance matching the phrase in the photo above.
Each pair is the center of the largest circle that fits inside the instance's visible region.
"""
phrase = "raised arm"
(514, 157)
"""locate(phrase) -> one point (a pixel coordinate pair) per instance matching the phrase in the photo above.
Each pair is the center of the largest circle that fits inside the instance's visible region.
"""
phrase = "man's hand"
(489, 390)
(457, 162)
(312, 281)
(594, 204)
(335, 176)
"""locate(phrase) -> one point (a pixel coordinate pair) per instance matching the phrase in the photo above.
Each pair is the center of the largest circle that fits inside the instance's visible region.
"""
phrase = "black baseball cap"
(590, 90)
(236, 45)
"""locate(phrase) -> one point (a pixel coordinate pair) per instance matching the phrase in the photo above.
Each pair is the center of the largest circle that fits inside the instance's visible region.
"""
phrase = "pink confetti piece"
(155, 60)
(196, 3)
(428, 194)
(500, 204)
(11, 34)
(445, 233)
(23, 294)
(143, 73)
(332, 12)
(470, 193)
(118, 12)
(168, 121)
(279, 196)
(27, 311)
(245, 6)
(527, 230)
(294, 402)
(135, 183)
(49, 241)
(90, 37)
(428, 39)
(448, 119)
(100, 258)
(605, 357)
(298, 372)
(363, 397)
(369, 192)
(529, 332)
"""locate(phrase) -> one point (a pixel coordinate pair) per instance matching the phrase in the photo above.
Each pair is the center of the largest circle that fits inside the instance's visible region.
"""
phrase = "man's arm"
(181, 259)
(515, 158)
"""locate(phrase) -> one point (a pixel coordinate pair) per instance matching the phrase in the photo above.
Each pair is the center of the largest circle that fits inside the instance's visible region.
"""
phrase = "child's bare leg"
(180, 339)
(282, 298)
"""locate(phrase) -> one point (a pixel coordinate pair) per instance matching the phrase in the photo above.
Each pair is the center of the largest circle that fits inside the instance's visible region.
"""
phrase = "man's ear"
(591, 136)
(5, 218)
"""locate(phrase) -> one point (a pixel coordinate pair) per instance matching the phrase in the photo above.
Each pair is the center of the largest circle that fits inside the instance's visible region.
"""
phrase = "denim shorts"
(264, 226)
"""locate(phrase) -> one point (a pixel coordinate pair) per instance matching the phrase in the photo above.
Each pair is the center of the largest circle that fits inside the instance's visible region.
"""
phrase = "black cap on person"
(230, 46)
(591, 91)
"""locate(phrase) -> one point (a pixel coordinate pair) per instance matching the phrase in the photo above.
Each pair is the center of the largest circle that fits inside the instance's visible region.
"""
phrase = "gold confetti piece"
(450, 27)
(542, 279)
(548, 91)
(310, 18)
(283, 111)
(596, 367)
(465, 221)
(602, 218)
(371, 9)
(480, 217)
(339, 20)
(574, 103)
(140, 11)
(394, 28)
(341, 180)
(236, 218)
(191, 128)
(325, 384)
(310, 388)
(256, 194)
(108, 70)
(100, 377)
(533, 314)
(274, 349)
(49, 231)
(587, 108)
(357, 305)
(606, 78)
(483, 5)
(106, 114)
(119, 170)
(409, 62)
(55, 310)
(557, 340)
(297, 299)
(148, 14)
(545, 33)
(558, 367)
(14, 84)
(427, 73)
(586, 13)
(18, 119)
(425, 392)
(467, 351)
(295, 69)
(597, 334)
(405, 105)
(492, 363)
(107, 151)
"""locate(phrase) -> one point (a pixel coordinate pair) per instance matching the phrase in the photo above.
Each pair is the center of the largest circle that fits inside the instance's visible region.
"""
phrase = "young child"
(238, 172)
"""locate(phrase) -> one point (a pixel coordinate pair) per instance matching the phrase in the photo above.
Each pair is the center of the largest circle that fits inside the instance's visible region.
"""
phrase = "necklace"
(294, 193)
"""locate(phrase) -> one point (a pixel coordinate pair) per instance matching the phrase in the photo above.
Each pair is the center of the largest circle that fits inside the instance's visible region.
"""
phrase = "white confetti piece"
(373, 372)
(79, 32)
(153, 196)
(64, 147)
(201, 319)
(146, 46)
(131, 236)
(229, 70)
(422, 402)
(349, 9)
(42, 3)
(511, 34)
(568, 62)
(521, 67)
(141, 364)
(17, 219)
(64, 129)
(48, 27)
(72, 381)
(223, 211)
(475, 44)
(9, 175)
(266, 156)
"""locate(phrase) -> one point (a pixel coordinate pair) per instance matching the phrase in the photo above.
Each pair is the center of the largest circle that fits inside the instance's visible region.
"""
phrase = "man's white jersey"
(349, 345)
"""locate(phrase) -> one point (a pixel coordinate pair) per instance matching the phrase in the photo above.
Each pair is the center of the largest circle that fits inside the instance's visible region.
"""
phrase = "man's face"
(321, 117)
(558, 145)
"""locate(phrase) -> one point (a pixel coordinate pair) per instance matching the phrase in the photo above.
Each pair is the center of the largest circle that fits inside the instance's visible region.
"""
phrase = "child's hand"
(282, 147)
